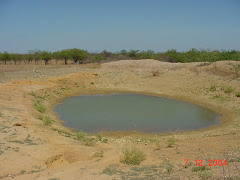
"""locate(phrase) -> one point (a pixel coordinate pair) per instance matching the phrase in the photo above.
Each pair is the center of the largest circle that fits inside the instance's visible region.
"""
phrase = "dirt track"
(31, 150)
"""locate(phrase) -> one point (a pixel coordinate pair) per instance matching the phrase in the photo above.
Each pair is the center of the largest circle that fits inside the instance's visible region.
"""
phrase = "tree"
(64, 54)
(98, 58)
(133, 53)
(46, 56)
(5, 57)
(124, 52)
(106, 54)
(37, 56)
(16, 58)
(78, 55)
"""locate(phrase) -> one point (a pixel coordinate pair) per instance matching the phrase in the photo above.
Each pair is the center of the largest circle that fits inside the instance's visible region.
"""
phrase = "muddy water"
(133, 112)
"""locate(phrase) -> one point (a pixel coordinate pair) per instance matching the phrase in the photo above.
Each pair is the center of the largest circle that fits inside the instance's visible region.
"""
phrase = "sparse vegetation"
(158, 145)
(98, 154)
(47, 120)
(155, 72)
(169, 168)
(99, 137)
(213, 88)
(199, 168)
(235, 68)
(171, 141)
(238, 94)
(228, 89)
(79, 56)
(89, 141)
(39, 106)
(132, 156)
(205, 175)
(80, 135)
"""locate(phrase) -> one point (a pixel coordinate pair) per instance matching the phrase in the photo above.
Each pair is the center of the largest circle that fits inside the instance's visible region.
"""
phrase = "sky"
(113, 25)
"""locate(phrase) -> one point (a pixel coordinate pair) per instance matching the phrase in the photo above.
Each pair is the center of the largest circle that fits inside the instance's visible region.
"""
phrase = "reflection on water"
(133, 112)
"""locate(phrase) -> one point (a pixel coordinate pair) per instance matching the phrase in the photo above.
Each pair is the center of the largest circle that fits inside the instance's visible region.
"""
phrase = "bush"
(228, 89)
(80, 135)
(89, 141)
(39, 106)
(99, 136)
(213, 88)
(199, 168)
(47, 120)
(238, 94)
(171, 141)
(98, 154)
(132, 156)
(235, 68)
(206, 175)
(155, 72)
(158, 145)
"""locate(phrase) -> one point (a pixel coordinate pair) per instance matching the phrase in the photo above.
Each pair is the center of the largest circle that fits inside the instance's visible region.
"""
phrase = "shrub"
(47, 120)
(158, 145)
(238, 94)
(213, 88)
(99, 136)
(80, 135)
(199, 168)
(228, 89)
(171, 141)
(169, 168)
(132, 156)
(105, 140)
(155, 72)
(235, 68)
(206, 175)
(39, 106)
(89, 141)
(98, 154)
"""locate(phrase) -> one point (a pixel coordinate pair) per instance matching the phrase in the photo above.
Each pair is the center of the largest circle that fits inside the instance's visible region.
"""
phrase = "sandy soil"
(31, 150)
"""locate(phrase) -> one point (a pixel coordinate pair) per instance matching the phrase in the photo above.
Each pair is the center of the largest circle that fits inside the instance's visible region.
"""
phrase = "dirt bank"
(30, 148)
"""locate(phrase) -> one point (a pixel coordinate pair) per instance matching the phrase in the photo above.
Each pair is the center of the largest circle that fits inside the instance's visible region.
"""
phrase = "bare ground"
(31, 150)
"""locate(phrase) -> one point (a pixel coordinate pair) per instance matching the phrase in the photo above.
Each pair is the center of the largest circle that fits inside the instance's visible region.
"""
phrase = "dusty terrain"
(29, 149)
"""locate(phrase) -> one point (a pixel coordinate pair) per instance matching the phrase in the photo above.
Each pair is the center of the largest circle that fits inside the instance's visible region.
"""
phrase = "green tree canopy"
(46, 56)
(78, 55)
(5, 57)
(64, 54)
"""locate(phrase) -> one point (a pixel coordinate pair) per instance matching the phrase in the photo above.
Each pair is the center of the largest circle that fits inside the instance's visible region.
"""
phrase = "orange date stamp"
(211, 162)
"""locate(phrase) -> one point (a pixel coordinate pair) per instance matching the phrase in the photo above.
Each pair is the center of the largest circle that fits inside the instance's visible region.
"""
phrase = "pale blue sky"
(95, 25)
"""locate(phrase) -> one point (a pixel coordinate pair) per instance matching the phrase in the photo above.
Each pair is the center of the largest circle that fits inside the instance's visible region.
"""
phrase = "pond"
(133, 112)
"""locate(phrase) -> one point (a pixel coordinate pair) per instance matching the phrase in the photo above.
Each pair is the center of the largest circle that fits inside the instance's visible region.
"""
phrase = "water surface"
(133, 112)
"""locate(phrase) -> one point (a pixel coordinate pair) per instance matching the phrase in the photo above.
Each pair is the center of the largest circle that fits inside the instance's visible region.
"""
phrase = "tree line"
(79, 56)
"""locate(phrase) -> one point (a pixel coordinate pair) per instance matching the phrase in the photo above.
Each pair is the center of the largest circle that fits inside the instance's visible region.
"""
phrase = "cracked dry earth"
(29, 149)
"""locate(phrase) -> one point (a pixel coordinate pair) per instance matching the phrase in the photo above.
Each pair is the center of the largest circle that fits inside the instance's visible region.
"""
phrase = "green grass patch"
(99, 137)
(171, 141)
(38, 96)
(213, 88)
(47, 120)
(38, 104)
(89, 141)
(238, 94)
(228, 89)
(132, 156)
(199, 168)
(158, 145)
(98, 154)
(169, 168)
(205, 175)
(80, 135)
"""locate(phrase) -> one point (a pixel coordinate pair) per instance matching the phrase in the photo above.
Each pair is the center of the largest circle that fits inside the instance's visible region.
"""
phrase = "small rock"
(17, 124)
